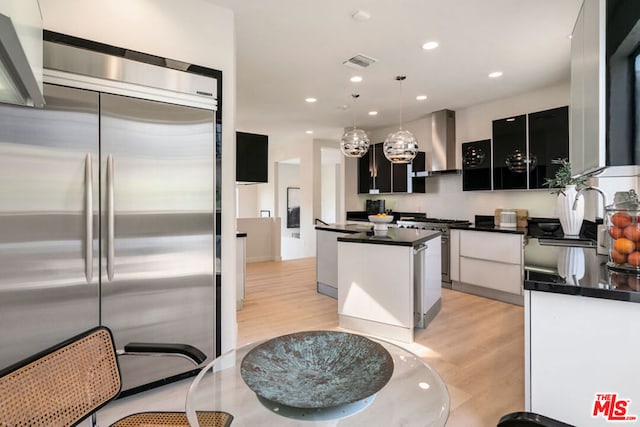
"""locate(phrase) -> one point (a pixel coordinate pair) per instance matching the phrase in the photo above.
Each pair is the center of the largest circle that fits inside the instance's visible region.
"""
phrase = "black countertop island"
(392, 236)
(575, 270)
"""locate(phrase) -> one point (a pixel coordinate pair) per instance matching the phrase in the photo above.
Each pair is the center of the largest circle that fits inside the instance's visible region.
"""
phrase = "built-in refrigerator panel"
(48, 222)
(157, 227)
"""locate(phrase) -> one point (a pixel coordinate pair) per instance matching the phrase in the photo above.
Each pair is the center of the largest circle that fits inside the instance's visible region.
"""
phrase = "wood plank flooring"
(475, 344)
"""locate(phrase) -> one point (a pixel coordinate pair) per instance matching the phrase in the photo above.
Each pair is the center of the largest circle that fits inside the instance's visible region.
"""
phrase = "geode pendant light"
(400, 146)
(355, 142)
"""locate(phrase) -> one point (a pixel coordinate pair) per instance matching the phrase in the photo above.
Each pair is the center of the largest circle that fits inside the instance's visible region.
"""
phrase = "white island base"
(386, 290)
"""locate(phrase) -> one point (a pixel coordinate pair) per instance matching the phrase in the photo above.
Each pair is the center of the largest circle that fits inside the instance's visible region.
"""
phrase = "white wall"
(193, 31)
(247, 201)
(263, 238)
(444, 197)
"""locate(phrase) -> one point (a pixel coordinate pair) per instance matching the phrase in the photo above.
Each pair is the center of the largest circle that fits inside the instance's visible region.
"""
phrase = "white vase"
(570, 219)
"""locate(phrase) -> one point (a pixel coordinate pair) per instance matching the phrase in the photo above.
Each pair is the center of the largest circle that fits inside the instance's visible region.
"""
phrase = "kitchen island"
(581, 346)
(327, 254)
(389, 282)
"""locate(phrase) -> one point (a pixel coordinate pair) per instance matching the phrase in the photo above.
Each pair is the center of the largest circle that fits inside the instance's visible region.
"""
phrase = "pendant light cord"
(354, 96)
(400, 79)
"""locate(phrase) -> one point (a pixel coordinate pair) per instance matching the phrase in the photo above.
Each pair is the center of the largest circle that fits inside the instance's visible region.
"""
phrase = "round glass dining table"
(414, 396)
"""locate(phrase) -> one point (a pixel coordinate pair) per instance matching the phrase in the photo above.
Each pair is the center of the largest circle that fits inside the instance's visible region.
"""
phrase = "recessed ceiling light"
(310, 100)
(495, 74)
(421, 97)
(430, 45)
(356, 79)
(309, 132)
(373, 113)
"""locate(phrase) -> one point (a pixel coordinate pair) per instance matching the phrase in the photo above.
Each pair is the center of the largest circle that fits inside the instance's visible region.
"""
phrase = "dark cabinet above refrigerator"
(252, 158)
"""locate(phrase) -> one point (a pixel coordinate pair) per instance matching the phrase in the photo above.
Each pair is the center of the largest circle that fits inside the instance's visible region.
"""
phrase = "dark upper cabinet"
(476, 165)
(419, 164)
(509, 153)
(365, 172)
(381, 170)
(548, 140)
(377, 174)
(374, 171)
(252, 157)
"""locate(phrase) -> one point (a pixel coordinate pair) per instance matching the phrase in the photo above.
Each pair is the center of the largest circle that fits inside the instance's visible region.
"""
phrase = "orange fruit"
(632, 232)
(617, 257)
(615, 232)
(634, 259)
(621, 219)
(624, 245)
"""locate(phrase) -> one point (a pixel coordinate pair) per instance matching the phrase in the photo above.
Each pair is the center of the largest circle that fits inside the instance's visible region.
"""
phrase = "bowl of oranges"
(623, 224)
(380, 221)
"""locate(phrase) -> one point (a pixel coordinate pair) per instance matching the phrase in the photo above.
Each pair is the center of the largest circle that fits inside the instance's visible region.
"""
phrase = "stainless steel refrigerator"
(107, 217)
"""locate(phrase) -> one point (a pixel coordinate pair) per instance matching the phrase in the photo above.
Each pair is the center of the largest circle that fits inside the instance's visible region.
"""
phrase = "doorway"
(289, 206)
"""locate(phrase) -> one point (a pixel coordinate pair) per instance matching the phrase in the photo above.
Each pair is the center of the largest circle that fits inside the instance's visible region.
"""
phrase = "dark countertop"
(393, 236)
(574, 270)
(494, 229)
(345, 228)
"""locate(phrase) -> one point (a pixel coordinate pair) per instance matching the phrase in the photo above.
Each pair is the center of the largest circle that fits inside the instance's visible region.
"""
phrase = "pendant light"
(400, 146)
(355, 142)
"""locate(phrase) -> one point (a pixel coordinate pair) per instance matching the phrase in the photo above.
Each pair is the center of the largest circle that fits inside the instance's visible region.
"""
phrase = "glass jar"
(622, 219)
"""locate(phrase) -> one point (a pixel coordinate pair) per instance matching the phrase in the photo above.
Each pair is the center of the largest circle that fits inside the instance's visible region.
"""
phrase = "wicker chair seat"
(174, 419)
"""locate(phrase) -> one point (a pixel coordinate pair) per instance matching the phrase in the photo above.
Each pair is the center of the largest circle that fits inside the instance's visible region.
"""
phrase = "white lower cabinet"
(581, 359)
(488, 263)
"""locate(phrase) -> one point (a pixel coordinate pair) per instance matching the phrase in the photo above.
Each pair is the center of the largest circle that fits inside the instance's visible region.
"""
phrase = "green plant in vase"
(563, 178)
(569, 204)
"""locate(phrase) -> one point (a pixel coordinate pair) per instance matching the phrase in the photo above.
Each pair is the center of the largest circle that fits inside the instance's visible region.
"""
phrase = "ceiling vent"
(359, 61)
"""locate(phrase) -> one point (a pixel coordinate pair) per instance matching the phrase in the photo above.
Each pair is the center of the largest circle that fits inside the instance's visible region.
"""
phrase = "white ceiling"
(288, 50)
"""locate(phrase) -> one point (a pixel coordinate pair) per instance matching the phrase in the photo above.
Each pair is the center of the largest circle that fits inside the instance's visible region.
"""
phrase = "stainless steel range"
(441, 225)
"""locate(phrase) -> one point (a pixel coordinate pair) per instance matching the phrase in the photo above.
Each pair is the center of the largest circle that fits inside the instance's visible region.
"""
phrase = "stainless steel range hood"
(442, 159)
(443, 142)
(18, 83)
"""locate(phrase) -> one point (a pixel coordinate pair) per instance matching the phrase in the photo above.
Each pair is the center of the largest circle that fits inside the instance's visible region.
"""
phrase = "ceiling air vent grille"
(359, 61)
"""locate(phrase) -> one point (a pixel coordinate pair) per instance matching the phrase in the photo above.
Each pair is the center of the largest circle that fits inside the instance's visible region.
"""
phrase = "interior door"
(158, 230)
(48, 234)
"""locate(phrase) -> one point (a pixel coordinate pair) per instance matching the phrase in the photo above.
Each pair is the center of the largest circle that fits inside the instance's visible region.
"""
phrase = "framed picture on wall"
(265, 213)
(293, 207)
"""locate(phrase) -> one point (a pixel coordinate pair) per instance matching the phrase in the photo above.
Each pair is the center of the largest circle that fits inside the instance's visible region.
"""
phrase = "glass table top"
(414, 396)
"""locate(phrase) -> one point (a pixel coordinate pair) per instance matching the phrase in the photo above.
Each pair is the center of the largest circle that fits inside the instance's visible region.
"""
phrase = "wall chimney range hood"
(442, 159)
(21, 54)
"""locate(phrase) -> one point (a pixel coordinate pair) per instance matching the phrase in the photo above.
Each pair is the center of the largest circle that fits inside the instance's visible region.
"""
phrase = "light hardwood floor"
(475, 344)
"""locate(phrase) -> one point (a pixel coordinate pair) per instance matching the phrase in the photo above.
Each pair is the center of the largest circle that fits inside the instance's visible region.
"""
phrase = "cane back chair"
(67, 383)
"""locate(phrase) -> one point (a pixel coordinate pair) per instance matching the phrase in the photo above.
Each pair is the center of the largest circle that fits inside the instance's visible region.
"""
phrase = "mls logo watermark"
(611, 408)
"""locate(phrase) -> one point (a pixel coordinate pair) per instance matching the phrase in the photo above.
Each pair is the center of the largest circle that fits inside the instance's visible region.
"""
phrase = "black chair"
(529, 419)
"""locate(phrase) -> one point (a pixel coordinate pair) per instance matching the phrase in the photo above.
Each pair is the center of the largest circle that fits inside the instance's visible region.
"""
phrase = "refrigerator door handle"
(111, 252)
(88, 211)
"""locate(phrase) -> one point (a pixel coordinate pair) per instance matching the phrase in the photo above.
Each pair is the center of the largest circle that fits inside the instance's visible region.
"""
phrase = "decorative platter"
(317, 369)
